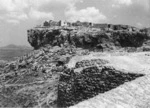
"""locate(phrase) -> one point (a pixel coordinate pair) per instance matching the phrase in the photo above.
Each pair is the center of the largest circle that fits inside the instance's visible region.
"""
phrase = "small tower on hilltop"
(46, 24)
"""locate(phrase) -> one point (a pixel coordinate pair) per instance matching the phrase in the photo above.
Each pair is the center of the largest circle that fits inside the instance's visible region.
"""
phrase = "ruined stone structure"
(63, 23)
(109, 27)
(46, 24)
(101, 26)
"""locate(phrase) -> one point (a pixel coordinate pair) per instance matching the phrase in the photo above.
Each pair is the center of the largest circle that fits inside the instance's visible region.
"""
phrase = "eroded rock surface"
(87, 38)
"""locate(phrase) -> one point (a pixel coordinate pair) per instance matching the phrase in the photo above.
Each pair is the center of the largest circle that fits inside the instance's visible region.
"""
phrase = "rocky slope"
(32, 80)
(64, 70)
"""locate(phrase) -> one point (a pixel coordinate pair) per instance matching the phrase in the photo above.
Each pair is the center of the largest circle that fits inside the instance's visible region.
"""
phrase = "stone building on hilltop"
(77, 23)
(46, 24)
(63, 23)
(105, 26)
(53, 23)
(84, 24)
(50, 23)
(101, 26)
(87, 24)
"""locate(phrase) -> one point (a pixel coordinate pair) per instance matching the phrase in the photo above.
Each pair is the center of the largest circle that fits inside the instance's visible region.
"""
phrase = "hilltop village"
(102, 26)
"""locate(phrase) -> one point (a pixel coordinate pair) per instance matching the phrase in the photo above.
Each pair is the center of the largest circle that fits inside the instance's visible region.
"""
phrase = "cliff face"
(90, 38)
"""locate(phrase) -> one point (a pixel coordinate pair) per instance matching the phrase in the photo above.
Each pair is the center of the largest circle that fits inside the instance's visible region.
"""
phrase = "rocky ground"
(70, 77)
(68, 69)
(32, 80)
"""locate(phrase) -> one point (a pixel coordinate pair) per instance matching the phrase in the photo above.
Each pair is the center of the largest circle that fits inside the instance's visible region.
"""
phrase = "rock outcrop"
(88, 38)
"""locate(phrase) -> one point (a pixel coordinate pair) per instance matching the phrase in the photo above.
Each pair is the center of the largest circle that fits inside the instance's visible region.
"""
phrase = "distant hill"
(148, 29)
(12, 46)
(10, 52)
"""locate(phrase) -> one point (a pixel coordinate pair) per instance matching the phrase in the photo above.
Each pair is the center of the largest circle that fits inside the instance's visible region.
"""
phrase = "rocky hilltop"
(73, 64)
(87, 38)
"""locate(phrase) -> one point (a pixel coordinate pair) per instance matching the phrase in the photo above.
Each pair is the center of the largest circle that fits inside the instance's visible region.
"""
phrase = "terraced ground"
(133, 94)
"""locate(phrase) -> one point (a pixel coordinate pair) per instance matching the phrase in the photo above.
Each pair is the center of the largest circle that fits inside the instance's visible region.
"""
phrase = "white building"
(63, 23)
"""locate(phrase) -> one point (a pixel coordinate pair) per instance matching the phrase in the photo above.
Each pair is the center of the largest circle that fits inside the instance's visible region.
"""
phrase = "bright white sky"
(16, 16)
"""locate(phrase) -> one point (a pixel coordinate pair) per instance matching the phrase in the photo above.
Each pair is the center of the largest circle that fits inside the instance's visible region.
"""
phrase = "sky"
(17, 16)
